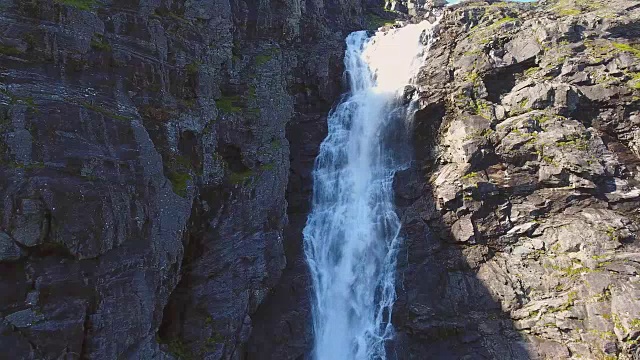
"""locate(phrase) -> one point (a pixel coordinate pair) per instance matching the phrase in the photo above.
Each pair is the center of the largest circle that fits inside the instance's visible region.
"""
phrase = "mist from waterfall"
(351, 237)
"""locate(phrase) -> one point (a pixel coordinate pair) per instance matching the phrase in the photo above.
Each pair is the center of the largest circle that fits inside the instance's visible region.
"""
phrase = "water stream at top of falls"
(351, 237)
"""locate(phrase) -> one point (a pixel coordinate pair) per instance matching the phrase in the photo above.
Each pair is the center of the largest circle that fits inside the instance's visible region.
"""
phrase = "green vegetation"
(474, 52)
(502, 21)
(605, 335)
(265, 56)
(263, 59)
(178, 170)
(79, 4)
(605, 296)
(617, 323)
(473, 77)
(214, 340)
(179, 182)
(99, 43)
(188, 103)
(548, 159)
(569, 12)
(14, 99)
(480, 107)
(542, 118)
(267, 167)
(571, 299)
(470, 175)
(252, 92)
(228, 104)
(627, 48)
(103, 111)
(634, 81)
(254, 111)
(9, 50)
(576, 142)
(178, 349)
(31, 166)
(612, 233)
(599, 50)
(240, 177)
(192, 68)
(523, 103)
(575, 7)
(573, 270)
(275, 144)
(235, 103)
(30, 39)
(374, 21)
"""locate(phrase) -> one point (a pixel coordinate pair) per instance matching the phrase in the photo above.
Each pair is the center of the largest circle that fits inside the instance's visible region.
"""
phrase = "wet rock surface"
(522, 219)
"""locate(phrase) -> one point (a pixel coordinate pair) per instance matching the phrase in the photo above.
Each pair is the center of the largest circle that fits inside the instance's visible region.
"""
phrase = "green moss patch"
(375, 21)
(9, 50)
(503, 21)
(79, 4)
(103, 111)
(228, 104)
(99, 43)
(239, 178)
(179, 182)
(634, 49)
(192, 68)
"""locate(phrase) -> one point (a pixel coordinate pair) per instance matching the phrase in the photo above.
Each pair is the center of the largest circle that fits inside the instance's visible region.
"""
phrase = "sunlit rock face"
(521, 214)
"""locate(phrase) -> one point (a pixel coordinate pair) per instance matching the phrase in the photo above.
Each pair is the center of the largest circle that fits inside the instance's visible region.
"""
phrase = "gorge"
(156, 175)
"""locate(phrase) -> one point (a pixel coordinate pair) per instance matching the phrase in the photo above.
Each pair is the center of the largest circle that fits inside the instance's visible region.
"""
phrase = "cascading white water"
(352, 234)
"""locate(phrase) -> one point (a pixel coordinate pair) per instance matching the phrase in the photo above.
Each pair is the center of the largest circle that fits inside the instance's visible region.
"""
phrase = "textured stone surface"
(144, 163)
(155, 162)
(529, 244)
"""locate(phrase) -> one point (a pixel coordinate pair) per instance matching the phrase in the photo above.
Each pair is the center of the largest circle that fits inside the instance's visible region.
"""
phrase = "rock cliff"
(155, 160)
(144, 158)
(521, 216)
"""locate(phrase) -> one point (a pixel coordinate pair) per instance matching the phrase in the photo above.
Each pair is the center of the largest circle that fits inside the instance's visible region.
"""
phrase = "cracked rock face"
(155, 174)
(144, 161)
(523, 243)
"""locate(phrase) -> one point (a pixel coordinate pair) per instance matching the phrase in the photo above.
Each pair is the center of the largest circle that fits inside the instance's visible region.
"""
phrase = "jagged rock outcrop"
(523, 242)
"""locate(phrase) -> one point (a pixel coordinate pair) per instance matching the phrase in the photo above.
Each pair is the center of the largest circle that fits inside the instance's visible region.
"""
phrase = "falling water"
(352, 234)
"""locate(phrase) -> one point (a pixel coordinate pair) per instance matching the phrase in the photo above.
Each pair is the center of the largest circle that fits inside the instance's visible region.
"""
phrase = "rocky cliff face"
(155, 161)
(521, 217)
(144, 158)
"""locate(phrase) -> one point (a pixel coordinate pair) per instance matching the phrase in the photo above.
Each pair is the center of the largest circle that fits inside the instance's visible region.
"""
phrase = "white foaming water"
(352, 234)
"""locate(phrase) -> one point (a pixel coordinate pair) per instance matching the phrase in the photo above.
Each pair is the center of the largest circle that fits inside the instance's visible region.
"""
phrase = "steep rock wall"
(144, 160)
(521, 216)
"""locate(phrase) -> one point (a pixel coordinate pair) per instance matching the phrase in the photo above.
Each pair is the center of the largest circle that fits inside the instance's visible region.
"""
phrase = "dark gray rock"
(144, 163)
(9, 250)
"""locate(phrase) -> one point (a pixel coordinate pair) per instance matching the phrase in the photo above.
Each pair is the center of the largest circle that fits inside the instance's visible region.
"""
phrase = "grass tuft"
(79, 4)
(627, 48)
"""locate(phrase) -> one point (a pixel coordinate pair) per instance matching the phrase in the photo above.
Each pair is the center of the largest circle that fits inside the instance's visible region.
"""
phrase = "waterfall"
(352, 234)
